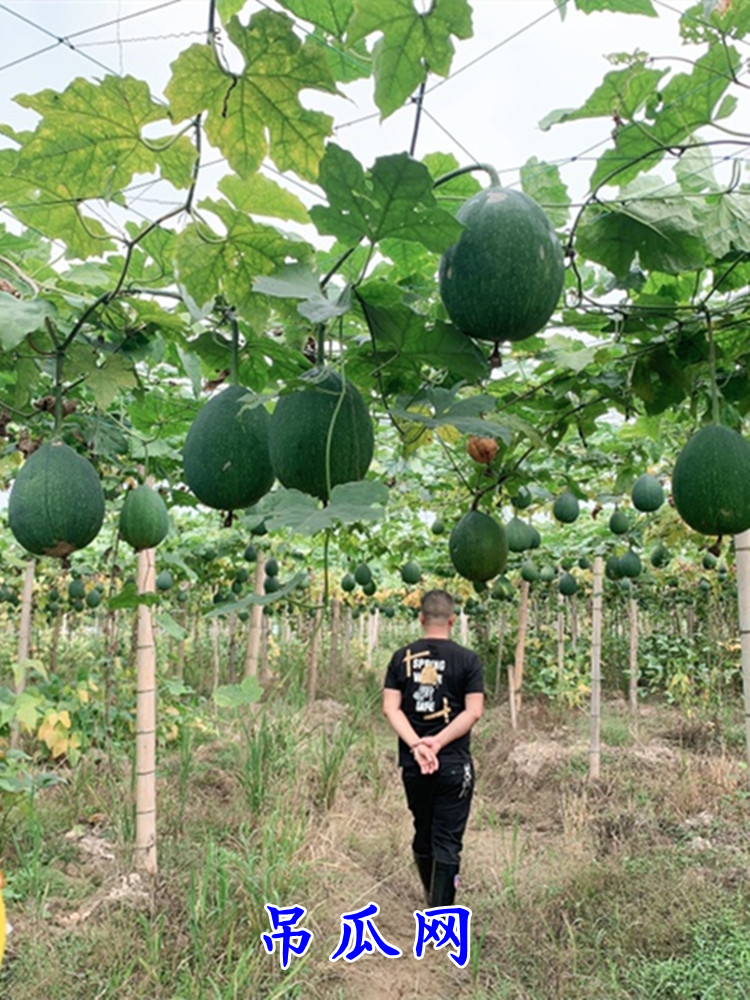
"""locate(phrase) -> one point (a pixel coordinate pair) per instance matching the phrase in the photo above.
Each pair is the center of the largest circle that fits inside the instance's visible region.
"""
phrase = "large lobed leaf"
(257, 113)
(412, 43)
(393, 199)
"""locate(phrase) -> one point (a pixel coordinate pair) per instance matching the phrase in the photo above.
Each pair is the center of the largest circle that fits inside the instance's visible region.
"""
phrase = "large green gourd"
(226, 461)
(321, 435)
(478, 547)
(503, 278)
(711, 481)
(56, 504)
(144, 521)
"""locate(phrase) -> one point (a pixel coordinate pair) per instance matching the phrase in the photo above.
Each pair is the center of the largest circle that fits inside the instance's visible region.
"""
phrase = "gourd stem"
(460, 171)
(59, 363)
(712, 370)
(233, 363)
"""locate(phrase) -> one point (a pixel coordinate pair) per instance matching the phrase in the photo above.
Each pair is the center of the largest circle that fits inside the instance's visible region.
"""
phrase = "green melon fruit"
(709, 560)
(56, 504)
(647, 493)
(519, 534)
(226, 460)
(164, 580)
(567, 584)
(271, 584)
(630, 564)
(272, 567)
(321, 435)
(369, 588)
(348, 583)
(93, 598)
(659, 555)
(438, 526)
(566, 507)
(363, 574)
(503, 278)
(529, 571)
(502, 589)
(612, 568)
(76, 590)
(619, 523)
(478, 547)
(711, 481)
(250, 553)
(411, 574)
(242, 575)
(144, 521)
(547, 573)
(535, 539)
(522, 499)
(584, 562)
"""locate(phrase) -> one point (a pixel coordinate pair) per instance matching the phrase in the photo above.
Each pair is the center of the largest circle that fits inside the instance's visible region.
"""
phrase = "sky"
(522, 63)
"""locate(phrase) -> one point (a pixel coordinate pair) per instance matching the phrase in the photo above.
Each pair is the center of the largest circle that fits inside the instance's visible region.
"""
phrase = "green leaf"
(51, 209)
(129, 598)
(105, 378)
(166, 622)
(695, 170)
(293, 281)
(259, 195)
(208, 265)
(91, 137)
(542, 182)
(350, 503)
(257, 113)
(262, 599)
(227, 9)
(660, 227)
(248, 692)
(644, 7)
(394, 199)
(417, 341)
(622, 93)
(19, 317)
(411, 43)
(332, 16)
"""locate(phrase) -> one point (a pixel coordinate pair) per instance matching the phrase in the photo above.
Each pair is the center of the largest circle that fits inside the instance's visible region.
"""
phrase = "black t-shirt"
(434, 676)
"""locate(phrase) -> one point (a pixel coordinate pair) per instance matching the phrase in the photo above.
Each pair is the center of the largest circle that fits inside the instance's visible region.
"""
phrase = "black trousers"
(440, 805)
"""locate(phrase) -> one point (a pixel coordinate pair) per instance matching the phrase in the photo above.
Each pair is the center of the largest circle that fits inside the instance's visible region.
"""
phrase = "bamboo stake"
(500, 644)
(518, 665)
(145, 735)
(596, 669)
(464, 628)
(335, 657)
(312, 659)
(560, 640)
(633, 665)
(24, 639)
(742, 558)
(256, 624)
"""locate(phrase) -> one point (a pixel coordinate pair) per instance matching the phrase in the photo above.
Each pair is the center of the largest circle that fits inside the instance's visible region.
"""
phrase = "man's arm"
(471, 714)
(424, 755)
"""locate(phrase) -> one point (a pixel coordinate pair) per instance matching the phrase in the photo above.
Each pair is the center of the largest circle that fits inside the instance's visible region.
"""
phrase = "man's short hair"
(437, 605)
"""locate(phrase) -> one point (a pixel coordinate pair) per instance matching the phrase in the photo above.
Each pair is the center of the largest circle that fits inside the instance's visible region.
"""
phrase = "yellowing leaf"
(257, 113)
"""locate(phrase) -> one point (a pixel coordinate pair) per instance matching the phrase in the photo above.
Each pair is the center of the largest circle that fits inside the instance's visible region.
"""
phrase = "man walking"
(433, 696)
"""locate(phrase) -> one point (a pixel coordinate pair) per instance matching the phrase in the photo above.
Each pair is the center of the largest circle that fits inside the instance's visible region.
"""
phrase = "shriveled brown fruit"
(482, 449)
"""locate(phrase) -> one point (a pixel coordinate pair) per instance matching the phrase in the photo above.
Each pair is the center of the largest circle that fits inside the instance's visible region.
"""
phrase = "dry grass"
(573, 885)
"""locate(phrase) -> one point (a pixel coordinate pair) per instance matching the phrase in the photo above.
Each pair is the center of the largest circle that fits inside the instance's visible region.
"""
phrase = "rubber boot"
(443, 889)
(424, 867)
